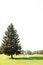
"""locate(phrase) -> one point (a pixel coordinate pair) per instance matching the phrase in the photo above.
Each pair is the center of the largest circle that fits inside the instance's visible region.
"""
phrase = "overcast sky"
(27, 17)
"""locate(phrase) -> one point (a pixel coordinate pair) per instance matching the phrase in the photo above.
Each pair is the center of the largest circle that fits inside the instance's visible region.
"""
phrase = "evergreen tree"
(11, 42)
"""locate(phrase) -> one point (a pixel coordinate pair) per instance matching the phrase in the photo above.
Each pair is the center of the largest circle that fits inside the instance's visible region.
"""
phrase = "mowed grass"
(21, 60)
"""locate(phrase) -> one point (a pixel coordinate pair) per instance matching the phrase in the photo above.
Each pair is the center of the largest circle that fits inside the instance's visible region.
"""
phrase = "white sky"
(27, 17)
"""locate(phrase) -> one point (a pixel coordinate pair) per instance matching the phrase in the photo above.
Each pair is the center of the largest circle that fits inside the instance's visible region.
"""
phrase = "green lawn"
(21, 60)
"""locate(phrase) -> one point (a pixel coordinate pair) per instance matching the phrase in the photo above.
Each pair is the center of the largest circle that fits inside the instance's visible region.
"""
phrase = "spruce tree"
(11, 41)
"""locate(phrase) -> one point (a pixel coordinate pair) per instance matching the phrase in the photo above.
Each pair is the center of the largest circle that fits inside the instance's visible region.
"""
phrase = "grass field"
(21, 60)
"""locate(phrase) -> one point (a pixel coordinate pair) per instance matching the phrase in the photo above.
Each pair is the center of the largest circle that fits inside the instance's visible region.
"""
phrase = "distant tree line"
(38, 52)
(31, 53)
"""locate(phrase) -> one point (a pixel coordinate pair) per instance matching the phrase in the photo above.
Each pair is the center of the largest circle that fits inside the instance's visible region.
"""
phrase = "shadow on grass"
(30, 58)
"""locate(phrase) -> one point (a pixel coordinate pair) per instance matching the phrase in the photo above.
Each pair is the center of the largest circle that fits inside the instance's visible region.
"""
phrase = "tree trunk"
(11, 56)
